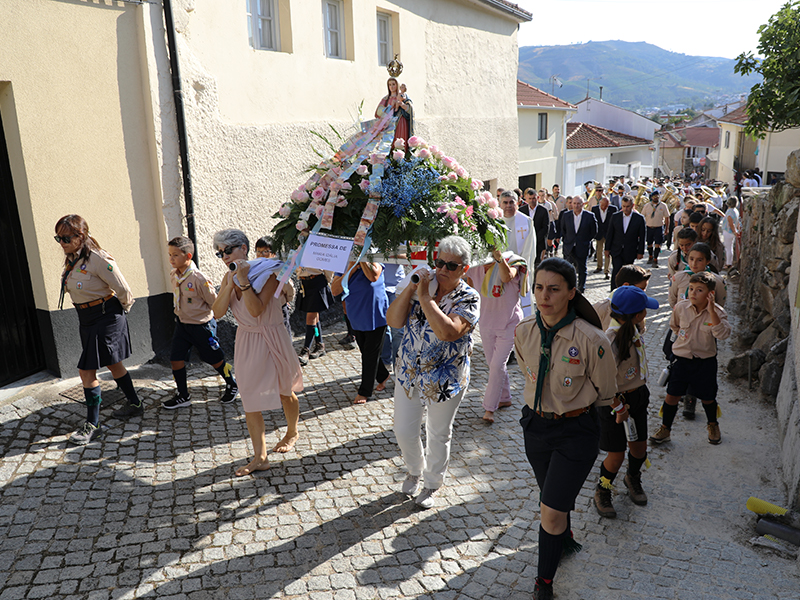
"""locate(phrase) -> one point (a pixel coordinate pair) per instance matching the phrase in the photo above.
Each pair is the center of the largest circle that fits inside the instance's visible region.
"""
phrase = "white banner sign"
(326, 252)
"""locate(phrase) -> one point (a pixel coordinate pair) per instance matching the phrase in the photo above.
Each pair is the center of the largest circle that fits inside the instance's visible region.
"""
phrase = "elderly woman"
(570, 370)
(366, 305)
(101, 296)
(499, 284)
(433, 364)
(268, 372)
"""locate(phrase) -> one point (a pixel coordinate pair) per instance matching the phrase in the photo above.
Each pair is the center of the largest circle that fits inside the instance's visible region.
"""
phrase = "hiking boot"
(319, 350)
(689, 405)
(660, 436)
(714, 435)
(85, 434)
(349, 342)
(635, 491)
(411, 485)
(176, 402)
(425, 498)
(602, 502)
(231, 391)
(128, 411)
(542, 590)
(655, 263)
(303, 356)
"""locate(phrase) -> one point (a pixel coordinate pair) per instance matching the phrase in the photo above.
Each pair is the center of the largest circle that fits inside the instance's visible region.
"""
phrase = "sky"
(723, 28)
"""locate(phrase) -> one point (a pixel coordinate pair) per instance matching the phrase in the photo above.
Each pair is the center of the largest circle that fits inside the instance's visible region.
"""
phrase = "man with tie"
(578, 229)
(521, 239)
(602, 214)
(625, 238)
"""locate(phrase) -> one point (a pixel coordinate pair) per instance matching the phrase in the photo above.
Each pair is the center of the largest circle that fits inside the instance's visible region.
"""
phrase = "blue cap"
(629, 300)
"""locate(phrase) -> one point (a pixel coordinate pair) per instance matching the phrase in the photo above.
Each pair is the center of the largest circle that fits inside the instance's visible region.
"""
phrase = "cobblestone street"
(152, 508)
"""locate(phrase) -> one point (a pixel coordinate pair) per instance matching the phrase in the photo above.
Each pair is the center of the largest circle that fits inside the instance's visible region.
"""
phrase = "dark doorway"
(528, 181)
(21, 344)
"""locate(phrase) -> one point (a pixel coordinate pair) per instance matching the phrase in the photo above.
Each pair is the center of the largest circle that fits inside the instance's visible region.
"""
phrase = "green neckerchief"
(548, 335)
(64, 276)
(689, 270)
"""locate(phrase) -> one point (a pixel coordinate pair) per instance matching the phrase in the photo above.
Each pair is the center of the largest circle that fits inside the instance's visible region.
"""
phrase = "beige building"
(542, 137)
(89, 122)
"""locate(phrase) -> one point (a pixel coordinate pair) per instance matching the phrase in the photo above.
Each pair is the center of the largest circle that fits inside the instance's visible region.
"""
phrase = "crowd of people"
(585, 366)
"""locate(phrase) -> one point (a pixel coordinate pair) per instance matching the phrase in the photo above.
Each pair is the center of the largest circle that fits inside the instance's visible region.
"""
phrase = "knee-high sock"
(318, 332)
(669, 414)
(125, 383)
(310, 332)
(226, 370)
(93, 401)
(550, 549)
(711, 411)
(606, 477)
(656, 251)
(635, 464)
(179, 375)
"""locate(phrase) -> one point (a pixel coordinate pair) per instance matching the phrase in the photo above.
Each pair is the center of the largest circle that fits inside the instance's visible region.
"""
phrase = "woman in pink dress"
(267, 368)
(401, 107)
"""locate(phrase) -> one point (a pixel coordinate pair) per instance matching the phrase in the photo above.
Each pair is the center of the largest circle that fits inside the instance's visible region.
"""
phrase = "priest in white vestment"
(521, 239)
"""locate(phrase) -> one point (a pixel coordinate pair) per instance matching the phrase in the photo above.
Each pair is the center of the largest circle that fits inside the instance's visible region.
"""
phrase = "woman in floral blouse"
(439, 315)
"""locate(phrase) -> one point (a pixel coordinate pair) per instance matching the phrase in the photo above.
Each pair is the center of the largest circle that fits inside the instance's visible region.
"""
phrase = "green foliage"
(773, 103)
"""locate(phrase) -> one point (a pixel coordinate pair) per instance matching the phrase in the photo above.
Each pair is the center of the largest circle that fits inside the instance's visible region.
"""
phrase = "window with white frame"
(333, 22)
(262, 24)
(542, 126)
(384, 39)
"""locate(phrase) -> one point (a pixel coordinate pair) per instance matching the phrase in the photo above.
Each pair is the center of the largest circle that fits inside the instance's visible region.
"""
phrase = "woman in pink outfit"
(267, 369)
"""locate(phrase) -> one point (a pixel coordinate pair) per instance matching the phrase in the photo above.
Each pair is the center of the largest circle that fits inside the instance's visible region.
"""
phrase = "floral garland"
(421, 196)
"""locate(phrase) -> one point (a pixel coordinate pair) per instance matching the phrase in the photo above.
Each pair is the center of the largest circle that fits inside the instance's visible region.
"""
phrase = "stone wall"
(768, 309)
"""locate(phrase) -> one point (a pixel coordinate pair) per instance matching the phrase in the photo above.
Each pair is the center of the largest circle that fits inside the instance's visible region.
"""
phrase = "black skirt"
(315, 294)
(104, 335)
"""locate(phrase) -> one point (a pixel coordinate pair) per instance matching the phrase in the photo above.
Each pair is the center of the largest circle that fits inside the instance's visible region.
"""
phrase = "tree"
(774, 104)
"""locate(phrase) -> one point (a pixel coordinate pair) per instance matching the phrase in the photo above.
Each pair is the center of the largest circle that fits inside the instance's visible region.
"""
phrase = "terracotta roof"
(509, 7)
(583, 135)
(702, 137)
(737, 117)
(527, 95)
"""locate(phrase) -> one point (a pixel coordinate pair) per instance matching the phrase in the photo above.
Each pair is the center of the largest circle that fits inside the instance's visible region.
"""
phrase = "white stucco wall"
(612, 117)
(545, 156)
(775, 148)
(250, 112)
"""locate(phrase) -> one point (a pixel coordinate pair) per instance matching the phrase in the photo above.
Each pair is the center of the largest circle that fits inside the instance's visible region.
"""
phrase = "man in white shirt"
(521, 239)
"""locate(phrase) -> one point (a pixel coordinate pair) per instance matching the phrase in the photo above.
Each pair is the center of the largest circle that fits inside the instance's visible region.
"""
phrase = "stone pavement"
(153, 509)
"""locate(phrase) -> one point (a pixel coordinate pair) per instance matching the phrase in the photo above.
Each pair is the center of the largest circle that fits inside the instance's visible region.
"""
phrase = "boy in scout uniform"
(697, 322)
(195, 326)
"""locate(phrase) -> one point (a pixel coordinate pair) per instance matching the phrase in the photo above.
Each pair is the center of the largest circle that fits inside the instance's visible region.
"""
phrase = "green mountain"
(634, 75)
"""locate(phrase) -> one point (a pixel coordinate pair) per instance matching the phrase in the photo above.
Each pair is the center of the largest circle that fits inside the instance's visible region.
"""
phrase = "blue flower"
(407, 183)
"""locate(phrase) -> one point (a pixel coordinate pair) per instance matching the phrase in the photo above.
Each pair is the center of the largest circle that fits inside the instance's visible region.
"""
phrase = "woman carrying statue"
(397, 100)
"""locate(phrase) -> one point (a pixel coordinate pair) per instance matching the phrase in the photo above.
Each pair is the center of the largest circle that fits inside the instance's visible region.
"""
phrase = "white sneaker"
(411, 485)
(425, 498)
(85, 434)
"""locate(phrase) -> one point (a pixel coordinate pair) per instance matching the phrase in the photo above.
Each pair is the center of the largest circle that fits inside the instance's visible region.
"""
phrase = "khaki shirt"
(97, 277)
(680, 283)
(629, 373)
(656, 215)
(695, 337)
(561, 204)
(582, 370)
(196, 297)
(676, 263)
(603, 310)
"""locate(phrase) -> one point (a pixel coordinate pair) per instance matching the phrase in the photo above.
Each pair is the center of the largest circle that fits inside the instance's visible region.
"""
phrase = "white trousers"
(408, 414)
(728, 240)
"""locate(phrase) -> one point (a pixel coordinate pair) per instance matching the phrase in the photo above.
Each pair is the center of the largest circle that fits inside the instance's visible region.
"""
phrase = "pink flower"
(443, 178)
(337, 170)
(476, 184)
(301, 225)
(487, 195)
(442, 208)
(424, 153)
(318, 193)
(415, 142)
(492, 202)
(285, 210)
(450, 163)
(302, 187)
(362, 170)
(335, 187)
(341, 201)
(493, 213)
(377, 158)
(469, 211)
(400, 143)
(458, 200)
(346, 186)
(452, 176)
(364, 185)
(462, 172)
(434, 149)
(398, 155)
(453, 216)
(320, 210)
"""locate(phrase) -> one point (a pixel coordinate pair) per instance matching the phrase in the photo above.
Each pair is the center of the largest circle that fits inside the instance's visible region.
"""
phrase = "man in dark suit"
(602, 214)
(578, 229)
(625, 238)
(541, 221)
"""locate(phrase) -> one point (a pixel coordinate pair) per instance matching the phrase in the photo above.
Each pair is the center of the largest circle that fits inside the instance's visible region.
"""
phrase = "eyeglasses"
(451, 266)
(63, 239)
(226, 252)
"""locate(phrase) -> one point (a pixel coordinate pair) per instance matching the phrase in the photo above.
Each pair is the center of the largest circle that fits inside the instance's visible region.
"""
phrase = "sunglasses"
(65, 239)
(451, 266)
(226, 252)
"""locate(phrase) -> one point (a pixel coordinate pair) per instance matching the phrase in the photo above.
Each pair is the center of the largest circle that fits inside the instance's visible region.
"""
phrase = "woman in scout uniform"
(628, 310)
(569, 369)
(101, 296)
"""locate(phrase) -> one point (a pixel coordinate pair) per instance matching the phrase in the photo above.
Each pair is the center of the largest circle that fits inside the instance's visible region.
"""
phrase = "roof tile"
(583, 135)
(527, 95)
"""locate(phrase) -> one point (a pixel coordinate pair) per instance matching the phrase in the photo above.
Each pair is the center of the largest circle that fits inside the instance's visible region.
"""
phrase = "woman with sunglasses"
(101, 296)
(433, 363)
(569, 370)
(267, 369)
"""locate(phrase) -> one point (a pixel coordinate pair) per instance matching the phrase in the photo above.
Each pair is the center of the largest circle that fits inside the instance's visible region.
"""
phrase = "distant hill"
(634, 75)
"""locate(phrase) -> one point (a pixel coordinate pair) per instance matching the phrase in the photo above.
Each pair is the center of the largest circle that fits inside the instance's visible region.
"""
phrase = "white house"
(602, 114)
